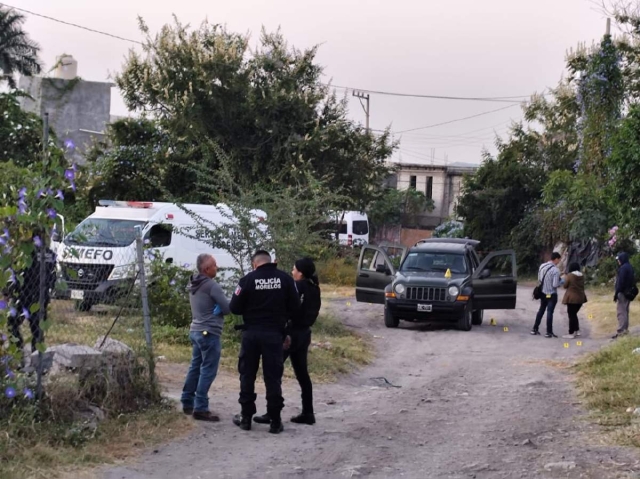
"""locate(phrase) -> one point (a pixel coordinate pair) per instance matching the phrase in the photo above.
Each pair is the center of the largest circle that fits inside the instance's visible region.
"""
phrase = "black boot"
(243, 422)
(265, 419)
(276, 427)
(304, 418)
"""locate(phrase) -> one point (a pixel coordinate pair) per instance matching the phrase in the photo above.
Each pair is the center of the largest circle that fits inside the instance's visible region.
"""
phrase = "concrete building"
(440, 182)
(79, 110)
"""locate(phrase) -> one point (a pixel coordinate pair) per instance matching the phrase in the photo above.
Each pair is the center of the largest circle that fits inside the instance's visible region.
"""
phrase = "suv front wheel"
(466, 320)
(478, 316)
(390, 321)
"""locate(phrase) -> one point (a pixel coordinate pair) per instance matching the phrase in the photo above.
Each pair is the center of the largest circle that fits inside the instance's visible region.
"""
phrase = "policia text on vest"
(266, 298)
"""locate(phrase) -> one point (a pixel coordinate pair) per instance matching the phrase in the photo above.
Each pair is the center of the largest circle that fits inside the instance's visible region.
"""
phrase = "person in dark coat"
(299, 330)
(574, 298)
(625, 280)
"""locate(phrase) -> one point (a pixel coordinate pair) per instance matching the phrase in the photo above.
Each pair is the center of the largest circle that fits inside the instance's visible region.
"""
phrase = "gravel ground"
(435, 403)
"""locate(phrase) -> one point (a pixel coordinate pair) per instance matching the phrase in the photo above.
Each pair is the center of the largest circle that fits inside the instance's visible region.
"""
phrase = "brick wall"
(409, 237)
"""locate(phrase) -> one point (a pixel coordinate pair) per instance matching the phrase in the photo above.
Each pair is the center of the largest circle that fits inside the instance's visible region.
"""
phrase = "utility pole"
(363, 96)
(42, 306)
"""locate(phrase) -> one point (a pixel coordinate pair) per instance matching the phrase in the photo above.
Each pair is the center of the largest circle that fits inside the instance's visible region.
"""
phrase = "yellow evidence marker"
(348, 303)
(591, 316)
(448, 274)
(579, 343)
(566, 345)
(493, 322)
(506, 330)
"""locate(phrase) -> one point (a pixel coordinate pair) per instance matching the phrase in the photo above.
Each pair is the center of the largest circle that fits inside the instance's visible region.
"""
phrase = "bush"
(337, 271)
(604, 272)
(635, 262)
(449, 229)
(168, 294)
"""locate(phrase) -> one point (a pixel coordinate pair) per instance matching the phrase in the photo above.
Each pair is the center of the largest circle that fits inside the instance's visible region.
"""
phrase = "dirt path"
(483, 404)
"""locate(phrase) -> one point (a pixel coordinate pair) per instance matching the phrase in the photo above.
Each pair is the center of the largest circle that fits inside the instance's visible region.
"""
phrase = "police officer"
(265, 298)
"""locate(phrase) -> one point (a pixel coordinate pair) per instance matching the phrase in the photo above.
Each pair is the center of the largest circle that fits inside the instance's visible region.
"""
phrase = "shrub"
(604, 272)
(168, 295)
(449, 229)
(337, 272)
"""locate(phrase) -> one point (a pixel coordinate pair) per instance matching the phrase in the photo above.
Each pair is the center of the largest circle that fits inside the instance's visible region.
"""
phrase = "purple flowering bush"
(28, 210)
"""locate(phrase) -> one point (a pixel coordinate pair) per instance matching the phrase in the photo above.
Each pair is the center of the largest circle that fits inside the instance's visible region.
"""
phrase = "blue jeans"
(548, 305)
(203, 370)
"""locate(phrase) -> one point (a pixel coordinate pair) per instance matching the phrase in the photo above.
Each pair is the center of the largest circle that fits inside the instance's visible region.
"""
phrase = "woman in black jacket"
(304, 273)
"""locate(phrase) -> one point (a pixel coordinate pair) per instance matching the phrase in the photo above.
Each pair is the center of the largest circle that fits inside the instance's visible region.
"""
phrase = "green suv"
(436, 280)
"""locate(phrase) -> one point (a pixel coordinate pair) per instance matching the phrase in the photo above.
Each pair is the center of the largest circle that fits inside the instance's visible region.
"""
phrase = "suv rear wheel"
(390, 321)
(466, 320)
(478, 316)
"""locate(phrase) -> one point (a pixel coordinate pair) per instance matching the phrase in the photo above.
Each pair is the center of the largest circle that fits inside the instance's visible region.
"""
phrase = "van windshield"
(434, 262)
(360, 227)
(106, 232)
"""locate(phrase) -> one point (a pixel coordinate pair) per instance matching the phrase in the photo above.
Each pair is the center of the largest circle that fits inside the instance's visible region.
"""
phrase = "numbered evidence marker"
(348, 303)
(506, 330)
(590, 316)
(566, 345)
(579, 343)
(493, 322)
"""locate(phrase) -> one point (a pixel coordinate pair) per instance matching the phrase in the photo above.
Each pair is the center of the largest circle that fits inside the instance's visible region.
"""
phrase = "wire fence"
(90, 296)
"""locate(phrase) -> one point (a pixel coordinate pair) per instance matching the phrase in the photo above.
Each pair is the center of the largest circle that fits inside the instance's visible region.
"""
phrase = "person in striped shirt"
(549, 276)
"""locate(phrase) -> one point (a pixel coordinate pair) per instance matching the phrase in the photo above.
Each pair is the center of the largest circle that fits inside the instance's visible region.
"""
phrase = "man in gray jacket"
(208, 307)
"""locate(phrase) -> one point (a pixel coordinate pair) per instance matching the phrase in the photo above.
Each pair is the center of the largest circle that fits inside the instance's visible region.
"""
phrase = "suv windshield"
(104, 232)
(434, 262)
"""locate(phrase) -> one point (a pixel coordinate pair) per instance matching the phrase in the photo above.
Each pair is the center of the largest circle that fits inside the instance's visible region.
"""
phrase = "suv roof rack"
(465, 241)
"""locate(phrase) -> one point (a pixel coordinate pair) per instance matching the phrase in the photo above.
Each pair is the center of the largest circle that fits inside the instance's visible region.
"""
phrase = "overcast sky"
(478, 48)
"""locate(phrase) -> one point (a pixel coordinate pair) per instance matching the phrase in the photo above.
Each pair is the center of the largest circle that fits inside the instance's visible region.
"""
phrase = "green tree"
(395, 207)
(20, 132)
(624, 165)
(267, 108)
(18, 53)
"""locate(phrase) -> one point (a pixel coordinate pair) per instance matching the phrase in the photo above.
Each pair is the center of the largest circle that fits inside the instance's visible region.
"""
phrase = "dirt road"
(482, 404)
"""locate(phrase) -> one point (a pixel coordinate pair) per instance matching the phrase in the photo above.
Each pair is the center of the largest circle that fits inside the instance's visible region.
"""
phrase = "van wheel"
(83, 306)
(477, 318)
(389, 320)
(466, 320)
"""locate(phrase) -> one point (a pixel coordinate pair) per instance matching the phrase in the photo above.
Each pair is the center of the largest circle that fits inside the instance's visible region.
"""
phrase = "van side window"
(343, 228)
(159, 236)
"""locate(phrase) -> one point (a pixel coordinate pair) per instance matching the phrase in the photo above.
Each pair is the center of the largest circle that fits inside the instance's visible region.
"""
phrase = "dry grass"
(331, 291)
(341, 351)
(609, 382)
(86, 328)
(347, 351)
(601, 312)
(43, 456)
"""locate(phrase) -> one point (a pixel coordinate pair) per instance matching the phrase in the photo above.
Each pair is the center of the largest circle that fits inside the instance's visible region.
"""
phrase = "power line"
(461, 135)
(456, 120)
(505, 99)
(71, 24)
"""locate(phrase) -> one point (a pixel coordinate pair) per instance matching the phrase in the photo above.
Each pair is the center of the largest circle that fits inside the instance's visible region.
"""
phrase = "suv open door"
(375, 271)
(495, 281)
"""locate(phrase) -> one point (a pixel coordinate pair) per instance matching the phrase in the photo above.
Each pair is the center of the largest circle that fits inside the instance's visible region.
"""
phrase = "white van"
(354, 227)
(97, 260)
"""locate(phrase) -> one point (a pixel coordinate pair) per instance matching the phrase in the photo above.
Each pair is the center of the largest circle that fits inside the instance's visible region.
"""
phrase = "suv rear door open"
(495, 281)
(375, 271)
